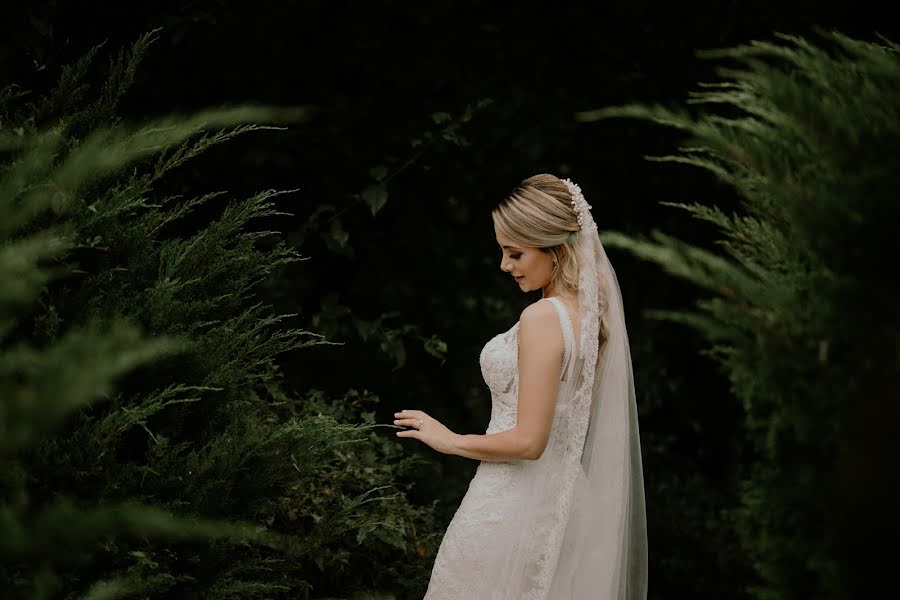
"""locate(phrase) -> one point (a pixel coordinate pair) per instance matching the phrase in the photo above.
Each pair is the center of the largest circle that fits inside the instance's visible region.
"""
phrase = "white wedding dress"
(492, 513)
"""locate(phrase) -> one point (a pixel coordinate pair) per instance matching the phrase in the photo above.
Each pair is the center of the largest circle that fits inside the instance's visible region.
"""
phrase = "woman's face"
(531, 266)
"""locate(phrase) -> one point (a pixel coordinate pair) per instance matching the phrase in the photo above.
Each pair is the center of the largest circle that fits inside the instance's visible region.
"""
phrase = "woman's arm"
(540, 358)
(493, 447)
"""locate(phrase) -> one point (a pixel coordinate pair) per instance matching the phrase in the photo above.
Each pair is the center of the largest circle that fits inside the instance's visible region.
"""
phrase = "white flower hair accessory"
(582, 208)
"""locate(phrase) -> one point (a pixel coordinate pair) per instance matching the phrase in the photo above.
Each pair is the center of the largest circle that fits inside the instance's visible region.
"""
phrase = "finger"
(413, 433)
(410, 414)
(406, 422)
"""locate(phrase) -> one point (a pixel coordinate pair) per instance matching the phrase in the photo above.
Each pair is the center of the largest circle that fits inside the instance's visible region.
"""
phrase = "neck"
(550, 291)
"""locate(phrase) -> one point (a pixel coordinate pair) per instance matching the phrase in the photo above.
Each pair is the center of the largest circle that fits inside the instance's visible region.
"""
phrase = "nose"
(505, 266)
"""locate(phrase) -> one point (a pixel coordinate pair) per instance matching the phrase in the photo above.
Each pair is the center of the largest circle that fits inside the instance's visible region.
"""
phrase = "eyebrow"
(511, 247)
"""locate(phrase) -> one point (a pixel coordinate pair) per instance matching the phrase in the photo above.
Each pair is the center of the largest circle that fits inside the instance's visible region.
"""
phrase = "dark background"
(427, 263)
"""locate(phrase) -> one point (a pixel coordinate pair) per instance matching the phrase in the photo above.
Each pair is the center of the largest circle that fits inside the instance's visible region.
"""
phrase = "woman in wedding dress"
(555, 510)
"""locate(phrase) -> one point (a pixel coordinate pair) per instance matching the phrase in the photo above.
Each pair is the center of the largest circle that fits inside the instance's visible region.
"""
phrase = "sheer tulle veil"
(584, 530)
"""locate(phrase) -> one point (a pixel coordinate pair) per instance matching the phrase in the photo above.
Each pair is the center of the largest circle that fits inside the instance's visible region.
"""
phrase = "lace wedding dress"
(492, 515)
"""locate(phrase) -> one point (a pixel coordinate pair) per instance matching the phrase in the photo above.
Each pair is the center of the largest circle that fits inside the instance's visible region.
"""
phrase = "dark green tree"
(147, 447)
(804, 319)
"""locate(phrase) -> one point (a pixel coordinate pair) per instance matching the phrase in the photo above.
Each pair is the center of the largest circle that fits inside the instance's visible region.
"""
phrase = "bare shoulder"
(540, 338)
(539, 324)
(538, 312)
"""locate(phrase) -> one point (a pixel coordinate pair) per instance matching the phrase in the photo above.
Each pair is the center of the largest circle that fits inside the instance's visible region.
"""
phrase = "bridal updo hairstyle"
(538, 213)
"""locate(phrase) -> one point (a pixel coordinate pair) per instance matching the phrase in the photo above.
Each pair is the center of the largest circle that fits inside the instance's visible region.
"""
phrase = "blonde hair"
(538, 213)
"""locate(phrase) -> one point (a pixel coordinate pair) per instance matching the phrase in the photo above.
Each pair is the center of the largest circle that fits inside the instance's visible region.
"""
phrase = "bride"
(555, 510)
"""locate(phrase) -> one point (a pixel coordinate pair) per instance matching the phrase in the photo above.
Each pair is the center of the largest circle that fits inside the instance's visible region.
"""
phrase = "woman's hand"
(428, 430)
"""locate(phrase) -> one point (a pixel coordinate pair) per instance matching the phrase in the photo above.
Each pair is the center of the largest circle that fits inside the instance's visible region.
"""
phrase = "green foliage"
(147, 447)
(803, 318)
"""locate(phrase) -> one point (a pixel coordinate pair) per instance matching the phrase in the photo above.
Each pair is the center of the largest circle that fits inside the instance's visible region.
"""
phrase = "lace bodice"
(500, 368)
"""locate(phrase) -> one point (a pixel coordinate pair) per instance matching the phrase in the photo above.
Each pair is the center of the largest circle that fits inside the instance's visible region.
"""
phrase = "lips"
(519, 278)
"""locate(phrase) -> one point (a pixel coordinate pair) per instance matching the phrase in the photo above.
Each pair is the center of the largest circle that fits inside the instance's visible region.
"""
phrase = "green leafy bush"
(147, 446)
(803, 317)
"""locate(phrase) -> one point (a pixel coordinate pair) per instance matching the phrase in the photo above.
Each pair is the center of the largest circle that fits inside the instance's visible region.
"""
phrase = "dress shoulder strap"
(568, 335)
